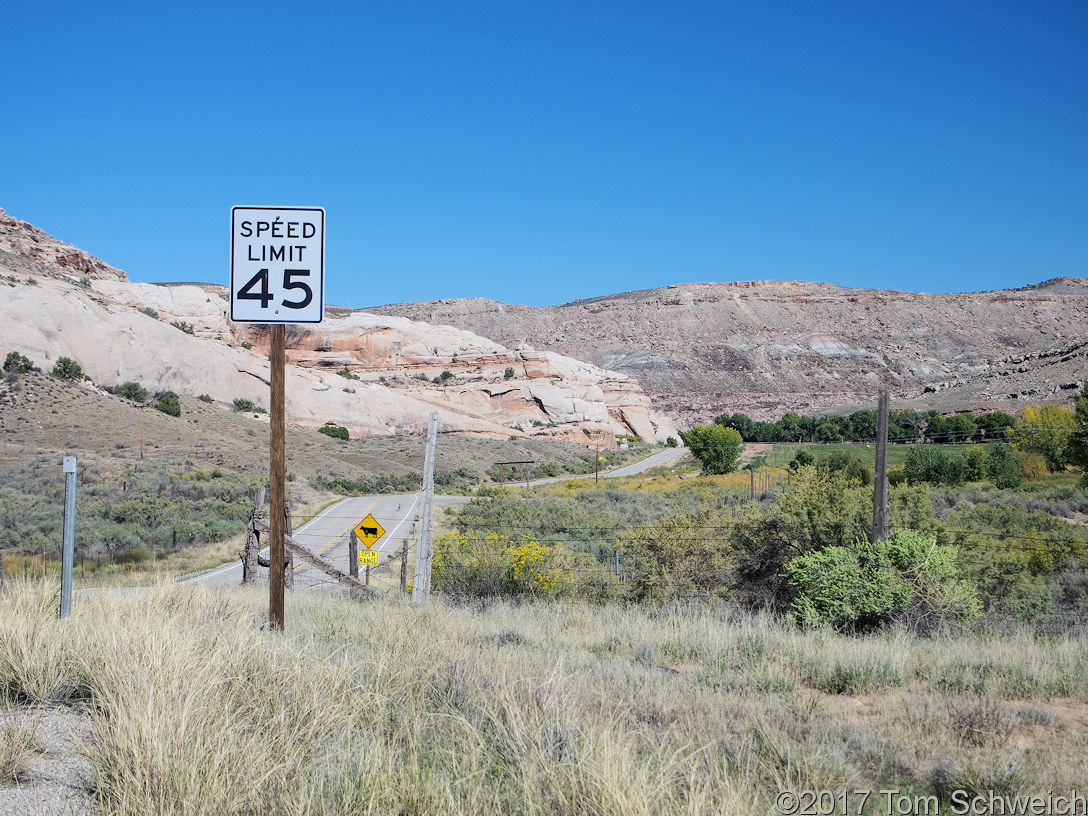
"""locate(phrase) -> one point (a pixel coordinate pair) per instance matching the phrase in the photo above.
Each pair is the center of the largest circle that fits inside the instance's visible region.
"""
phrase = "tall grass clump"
(519, 706)
(18, 746)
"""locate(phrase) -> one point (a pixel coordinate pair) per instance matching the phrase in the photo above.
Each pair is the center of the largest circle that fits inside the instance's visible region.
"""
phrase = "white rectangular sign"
(277, 264)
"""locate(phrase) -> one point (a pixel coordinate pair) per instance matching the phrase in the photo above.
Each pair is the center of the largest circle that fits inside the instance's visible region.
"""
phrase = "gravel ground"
(58, 776)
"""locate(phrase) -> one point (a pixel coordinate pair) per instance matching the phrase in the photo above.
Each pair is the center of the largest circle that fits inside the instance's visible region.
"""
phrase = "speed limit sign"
(277, 265)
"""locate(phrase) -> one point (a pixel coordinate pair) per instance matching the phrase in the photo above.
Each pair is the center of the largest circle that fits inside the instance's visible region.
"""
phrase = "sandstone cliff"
(63, 302)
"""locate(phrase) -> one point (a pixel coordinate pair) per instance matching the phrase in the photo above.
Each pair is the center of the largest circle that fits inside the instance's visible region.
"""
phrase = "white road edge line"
(393, 532)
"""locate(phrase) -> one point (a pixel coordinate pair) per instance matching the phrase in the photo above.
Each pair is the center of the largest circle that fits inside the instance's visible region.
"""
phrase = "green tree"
(1001, 466)
(67, 369)
(1045, 430)
(335, 431)
(863, 425)
(960, 428)
(716, 447)
(974, 464)
(926, 462)
(994, 425)
(169, 404)
(1078, 439)
(16, 363)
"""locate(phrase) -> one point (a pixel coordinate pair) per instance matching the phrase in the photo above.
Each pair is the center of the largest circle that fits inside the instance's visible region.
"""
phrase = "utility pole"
(880, 482)
(421, 583)
(68, 552)
(404, 564)
(276, 476)
(142, 430)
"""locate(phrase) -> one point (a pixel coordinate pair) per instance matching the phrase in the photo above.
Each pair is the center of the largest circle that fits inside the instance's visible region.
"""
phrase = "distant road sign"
(369, 531)
(368, 558)
(277, 265)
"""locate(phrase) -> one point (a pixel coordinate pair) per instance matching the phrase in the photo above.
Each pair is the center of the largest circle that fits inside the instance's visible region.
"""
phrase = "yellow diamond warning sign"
(368, 558)
(369, 531)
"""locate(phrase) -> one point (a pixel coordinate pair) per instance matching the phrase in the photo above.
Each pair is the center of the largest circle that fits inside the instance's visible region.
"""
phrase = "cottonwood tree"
(716, 447)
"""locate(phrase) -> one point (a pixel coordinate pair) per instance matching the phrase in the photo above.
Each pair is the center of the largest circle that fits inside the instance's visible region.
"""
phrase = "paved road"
(327, 533)
(327, 536)
(656, 460)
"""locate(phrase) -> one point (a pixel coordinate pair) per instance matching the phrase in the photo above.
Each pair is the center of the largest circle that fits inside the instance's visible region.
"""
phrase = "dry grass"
(18, 745)
(558, 708)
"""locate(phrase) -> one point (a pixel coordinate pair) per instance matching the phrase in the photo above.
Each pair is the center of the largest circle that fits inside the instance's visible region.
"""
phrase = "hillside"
(766, 347)
(374, 375)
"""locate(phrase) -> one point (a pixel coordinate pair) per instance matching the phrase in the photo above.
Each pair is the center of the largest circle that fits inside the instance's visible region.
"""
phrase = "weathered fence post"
(252, 546)
(68, 552)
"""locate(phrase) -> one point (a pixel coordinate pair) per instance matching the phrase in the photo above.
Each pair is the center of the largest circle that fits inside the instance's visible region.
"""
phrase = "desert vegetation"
(977, 554)
(533, 708)
(134, 515)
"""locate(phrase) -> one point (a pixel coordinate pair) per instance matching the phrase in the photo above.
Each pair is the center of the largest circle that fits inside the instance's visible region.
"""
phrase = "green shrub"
(244, 406)
(169, 404)
(868, 583)
(442, 378)
(335, 431)
(246, 346)
(1034, 468)
(347, 374)
(508, 374)
(16, 363)
(67, 369)
(842, 461)
(152, 313)
(131, 391)
(205, 398)
(671, 442)
(802, 458)
(85, 283)
(183, 326)
(859, 676)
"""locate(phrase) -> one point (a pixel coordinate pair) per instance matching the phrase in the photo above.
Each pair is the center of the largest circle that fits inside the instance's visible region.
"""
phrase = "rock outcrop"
(371, 374)
(25, 248)
(766, 347)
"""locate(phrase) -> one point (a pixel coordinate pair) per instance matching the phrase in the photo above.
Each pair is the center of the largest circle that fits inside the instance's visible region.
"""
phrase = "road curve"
(654, 460)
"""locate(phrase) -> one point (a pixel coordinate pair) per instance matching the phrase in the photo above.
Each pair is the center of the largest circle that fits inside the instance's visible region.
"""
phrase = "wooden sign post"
(277, 276)
(276, 468)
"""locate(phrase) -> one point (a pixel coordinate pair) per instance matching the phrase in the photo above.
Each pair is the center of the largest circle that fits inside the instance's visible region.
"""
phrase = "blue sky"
(542, 152)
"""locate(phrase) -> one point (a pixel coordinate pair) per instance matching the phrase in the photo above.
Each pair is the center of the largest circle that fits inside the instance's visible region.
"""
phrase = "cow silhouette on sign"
(370, 531)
